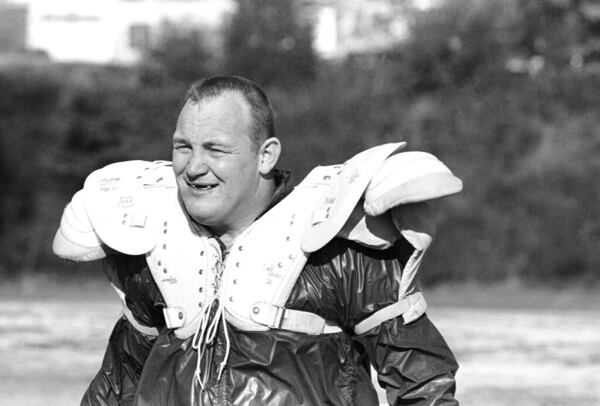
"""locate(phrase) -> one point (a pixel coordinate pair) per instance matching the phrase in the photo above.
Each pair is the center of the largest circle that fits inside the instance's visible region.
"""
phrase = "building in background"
(357, 27)
(119, 31)
(107, 31)
(13, 27)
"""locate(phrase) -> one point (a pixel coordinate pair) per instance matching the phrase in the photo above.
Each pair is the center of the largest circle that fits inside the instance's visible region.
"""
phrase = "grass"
(515, 345)
(514, 295)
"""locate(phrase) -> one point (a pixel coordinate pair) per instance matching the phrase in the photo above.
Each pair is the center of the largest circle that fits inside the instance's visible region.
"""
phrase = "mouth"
(201, 187)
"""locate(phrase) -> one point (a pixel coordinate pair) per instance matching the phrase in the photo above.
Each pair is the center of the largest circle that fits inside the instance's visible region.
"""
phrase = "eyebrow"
(179, 139)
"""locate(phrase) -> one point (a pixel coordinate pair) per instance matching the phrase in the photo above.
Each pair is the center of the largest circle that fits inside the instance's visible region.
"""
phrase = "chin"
(200, 217)
(198, 214)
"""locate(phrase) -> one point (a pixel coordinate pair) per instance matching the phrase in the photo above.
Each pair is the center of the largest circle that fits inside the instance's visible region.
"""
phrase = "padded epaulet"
(75, 238)
(409, 177)
(121, 200)
(357, 202)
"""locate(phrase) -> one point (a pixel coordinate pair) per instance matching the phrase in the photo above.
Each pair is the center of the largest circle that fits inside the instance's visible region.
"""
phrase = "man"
(240, 291)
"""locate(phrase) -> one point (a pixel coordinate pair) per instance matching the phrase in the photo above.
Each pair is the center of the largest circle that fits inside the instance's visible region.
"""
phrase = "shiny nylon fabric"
(132, 276)
(264, 368)
(344, 282)
(117, 381)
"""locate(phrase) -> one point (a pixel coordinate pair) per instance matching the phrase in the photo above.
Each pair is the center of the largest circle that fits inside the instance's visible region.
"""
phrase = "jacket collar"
(283, 187)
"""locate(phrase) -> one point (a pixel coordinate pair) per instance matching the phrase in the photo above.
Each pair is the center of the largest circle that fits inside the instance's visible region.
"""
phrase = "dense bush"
(181, 55)
(267, 41)
(55, 131)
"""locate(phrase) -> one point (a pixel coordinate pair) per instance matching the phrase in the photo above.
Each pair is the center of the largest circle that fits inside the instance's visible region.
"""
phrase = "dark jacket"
(343, 282)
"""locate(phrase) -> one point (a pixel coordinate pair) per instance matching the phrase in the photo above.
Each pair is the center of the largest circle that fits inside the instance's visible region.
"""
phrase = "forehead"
(225, 115)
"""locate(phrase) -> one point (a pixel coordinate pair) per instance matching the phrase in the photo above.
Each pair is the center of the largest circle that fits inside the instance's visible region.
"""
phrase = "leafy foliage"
(182, 55)
(525, 142)
(266, 41)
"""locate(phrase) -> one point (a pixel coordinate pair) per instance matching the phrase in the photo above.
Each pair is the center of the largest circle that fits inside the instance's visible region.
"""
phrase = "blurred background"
(505, 92)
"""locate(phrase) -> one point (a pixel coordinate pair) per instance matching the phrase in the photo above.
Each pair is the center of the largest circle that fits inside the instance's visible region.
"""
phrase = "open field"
(515, 346)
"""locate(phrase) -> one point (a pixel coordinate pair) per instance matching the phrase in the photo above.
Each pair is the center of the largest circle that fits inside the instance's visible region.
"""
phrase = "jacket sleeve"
(116, 382)
(128, 348)
(413, 362)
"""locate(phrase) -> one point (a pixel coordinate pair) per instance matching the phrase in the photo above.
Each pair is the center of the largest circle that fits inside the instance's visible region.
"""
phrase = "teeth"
(202, 187)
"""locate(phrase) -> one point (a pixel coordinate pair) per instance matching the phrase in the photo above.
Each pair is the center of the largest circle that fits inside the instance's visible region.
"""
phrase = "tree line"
(505, 92)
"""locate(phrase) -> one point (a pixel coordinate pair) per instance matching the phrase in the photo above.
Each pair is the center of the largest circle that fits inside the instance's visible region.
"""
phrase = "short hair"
(263, 125)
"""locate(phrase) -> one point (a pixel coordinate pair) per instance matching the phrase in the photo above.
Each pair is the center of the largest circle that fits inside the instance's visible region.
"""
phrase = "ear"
(269, 155)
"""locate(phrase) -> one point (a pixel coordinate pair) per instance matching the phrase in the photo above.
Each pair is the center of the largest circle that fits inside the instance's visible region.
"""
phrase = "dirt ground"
(515, 346)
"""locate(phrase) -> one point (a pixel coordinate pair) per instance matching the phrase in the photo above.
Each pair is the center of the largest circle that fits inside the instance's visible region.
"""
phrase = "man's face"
(214, 160)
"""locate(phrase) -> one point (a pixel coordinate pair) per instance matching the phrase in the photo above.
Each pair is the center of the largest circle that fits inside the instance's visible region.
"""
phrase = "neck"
(228, 233)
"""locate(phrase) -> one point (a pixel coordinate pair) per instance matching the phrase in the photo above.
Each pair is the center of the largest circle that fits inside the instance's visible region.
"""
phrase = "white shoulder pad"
(409, 177)
(120, 203)
(76, 239)
(340, 197)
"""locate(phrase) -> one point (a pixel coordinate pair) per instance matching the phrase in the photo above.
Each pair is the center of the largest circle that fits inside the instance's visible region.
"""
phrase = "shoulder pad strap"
(410, 307)
(282, 318)
(149, 331)
(119, 205)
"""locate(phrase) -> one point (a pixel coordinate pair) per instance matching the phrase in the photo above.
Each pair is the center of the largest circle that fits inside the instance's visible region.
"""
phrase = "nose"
(196, 166)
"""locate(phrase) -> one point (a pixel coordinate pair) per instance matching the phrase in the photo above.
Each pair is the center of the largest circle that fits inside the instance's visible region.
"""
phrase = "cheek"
(236, 171)
(225, 168)
(179, 162)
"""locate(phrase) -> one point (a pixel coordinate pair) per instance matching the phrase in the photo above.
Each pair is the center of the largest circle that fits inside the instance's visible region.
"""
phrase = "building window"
(139, 36)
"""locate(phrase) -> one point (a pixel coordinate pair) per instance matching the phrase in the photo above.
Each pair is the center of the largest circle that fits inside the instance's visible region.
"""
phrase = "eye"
(181, 147)
(215, 149)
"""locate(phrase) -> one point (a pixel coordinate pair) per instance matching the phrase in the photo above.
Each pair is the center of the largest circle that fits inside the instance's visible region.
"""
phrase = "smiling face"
(218, 168)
